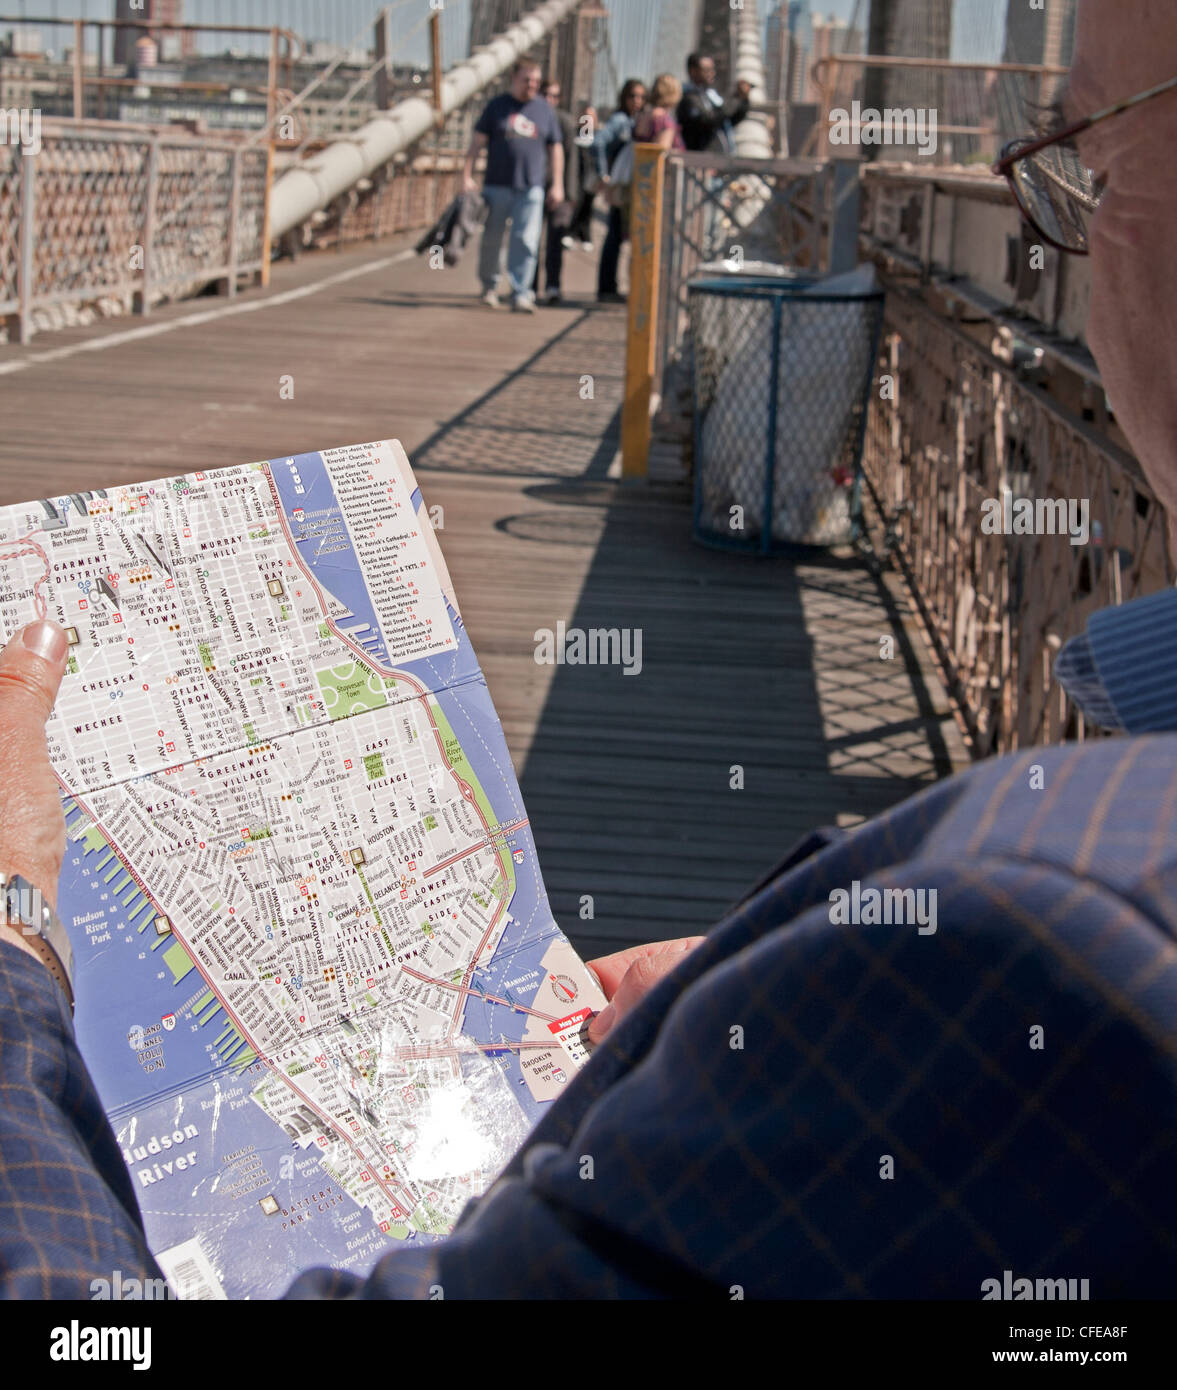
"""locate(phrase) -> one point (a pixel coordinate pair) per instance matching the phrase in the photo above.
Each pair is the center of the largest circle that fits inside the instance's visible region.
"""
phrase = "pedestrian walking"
(517, 130)
(612, 138)
(655, 125)
(558, 216)
(706, 120)
(658, 123)
(581, 229)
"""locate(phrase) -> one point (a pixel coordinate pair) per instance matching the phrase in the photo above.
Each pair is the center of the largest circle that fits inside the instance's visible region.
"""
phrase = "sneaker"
(586, 246)
(552, 297)
(611, 298)
(523, 305)
(491, 299)
(567, 243)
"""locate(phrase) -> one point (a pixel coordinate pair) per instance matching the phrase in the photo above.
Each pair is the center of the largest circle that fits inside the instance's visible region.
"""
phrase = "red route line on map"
(328, 1122)
(423, 696)
(33, 549)
(478, 994)
(482, 844)
(467, 793)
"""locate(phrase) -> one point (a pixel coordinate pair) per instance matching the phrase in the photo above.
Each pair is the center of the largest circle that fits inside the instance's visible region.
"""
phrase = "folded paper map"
(319, 984)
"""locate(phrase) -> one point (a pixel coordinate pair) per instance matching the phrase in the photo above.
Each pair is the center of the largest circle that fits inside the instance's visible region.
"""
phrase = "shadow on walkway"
(556, 414)
(762, 707)
(762, 710)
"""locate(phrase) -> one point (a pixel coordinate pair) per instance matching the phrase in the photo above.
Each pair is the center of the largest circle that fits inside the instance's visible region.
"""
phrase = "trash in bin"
(756, 270)
(783, 369)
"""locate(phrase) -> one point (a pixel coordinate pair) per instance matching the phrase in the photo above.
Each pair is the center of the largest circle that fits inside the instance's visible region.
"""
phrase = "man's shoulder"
(495, 105)
(1100, 809)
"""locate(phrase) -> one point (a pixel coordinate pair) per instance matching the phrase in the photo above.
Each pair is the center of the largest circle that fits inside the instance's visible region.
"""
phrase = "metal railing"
(103, 212)
(118, 216)
(87, 84)
(316, 183)
(972, 102)
(963, 429)
(404, 195)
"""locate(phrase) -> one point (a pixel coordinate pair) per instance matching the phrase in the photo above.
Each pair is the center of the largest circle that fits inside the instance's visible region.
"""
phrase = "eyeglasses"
(1054, 189)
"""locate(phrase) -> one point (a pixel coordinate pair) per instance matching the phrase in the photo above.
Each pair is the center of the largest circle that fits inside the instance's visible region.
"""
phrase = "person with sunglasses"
(798, 1105)
(611, 139)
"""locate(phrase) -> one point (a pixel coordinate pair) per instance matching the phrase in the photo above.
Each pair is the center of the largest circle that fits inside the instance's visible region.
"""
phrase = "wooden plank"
(772, 664)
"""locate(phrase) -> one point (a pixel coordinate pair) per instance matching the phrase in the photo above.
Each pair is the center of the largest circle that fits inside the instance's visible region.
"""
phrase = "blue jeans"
(525, 209)
(611, 254)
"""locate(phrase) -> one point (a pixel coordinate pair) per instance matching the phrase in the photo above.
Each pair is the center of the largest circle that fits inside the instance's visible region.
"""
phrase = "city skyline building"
(795, 38)
(830, 37)
(171, 44)
(799, 20)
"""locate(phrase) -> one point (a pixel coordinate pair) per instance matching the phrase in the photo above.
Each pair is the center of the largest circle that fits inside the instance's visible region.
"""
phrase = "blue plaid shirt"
(1015, 1072)
(1122, 672)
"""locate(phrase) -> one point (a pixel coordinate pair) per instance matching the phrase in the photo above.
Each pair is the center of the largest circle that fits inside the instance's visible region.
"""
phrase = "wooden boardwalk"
(770, 665)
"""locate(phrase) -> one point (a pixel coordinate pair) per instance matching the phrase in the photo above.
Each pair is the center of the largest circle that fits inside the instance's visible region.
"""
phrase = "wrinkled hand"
(32, 827)
(553, 200)
(628, 976)
(469, 184)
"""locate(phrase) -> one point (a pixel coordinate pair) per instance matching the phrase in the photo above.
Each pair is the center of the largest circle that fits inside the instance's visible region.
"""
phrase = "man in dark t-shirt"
(518, 130)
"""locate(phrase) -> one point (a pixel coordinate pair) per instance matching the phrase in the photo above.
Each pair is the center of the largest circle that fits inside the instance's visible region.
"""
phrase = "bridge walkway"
(771, 667)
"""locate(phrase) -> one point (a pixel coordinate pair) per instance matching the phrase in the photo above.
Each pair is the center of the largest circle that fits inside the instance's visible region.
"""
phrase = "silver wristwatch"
(23, 908)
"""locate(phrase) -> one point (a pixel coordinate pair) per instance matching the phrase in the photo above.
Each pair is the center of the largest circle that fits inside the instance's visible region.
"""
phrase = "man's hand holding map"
(319, 983)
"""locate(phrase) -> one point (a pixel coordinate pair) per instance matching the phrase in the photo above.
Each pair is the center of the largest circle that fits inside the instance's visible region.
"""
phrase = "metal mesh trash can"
(783, 372)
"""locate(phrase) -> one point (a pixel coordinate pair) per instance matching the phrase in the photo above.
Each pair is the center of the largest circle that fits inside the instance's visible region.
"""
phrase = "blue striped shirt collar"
(1122, 672)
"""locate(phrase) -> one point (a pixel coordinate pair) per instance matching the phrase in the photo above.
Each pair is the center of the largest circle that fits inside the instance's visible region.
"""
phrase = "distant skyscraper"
(776, 56)
(832, 36)
(800, 25)
(171, 43)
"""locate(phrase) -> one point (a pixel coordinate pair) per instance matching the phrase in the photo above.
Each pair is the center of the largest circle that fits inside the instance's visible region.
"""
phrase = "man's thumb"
(31, 668)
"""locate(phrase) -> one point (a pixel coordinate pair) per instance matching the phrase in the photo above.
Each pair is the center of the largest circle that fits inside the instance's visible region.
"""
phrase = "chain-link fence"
(718, 206)
(782, 382)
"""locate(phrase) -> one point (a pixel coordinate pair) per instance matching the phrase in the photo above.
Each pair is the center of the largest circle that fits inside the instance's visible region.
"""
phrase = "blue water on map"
(532, 928)
(336, 570)
(240, 1158)
(124, 979)
(152, 1041)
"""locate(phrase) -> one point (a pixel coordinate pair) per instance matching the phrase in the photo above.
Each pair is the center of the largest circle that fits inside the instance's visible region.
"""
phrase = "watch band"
(23, 909)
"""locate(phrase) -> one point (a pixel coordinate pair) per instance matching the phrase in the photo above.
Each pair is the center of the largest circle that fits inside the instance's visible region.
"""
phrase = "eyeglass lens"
(1058, 193)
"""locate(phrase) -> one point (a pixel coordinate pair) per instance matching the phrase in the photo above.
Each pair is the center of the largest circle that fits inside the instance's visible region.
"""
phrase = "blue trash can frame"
(782, 294)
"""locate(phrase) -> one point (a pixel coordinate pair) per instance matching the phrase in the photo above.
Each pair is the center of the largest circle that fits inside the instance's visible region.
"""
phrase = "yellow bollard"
(645, 241)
